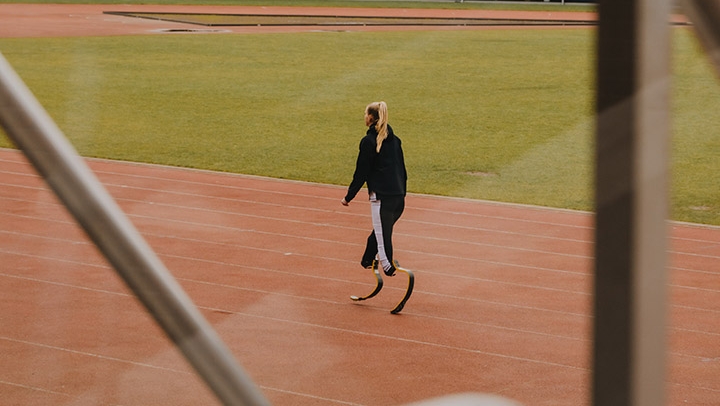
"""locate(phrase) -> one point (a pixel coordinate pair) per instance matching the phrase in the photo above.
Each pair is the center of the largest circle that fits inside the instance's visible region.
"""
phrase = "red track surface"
(502, 302)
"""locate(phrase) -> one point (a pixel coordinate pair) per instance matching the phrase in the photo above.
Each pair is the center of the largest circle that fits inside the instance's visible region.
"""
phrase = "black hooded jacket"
(384, 172)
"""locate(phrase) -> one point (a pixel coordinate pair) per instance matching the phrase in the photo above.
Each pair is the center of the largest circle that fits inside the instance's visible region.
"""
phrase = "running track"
(502, 301)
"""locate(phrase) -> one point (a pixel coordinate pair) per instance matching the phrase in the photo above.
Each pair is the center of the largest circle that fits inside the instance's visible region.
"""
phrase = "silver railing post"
(632, 165)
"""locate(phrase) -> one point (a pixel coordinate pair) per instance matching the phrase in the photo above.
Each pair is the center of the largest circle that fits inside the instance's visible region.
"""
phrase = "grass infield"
(502, 115)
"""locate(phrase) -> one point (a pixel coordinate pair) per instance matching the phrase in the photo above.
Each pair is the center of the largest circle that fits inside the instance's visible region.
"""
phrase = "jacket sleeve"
(362, 168)
(404, 169)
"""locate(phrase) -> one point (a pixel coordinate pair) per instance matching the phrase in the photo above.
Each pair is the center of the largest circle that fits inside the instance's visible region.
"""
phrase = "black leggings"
(385, 213)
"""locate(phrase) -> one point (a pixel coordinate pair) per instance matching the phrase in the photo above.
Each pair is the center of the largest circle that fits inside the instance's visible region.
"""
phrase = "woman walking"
(380, 164)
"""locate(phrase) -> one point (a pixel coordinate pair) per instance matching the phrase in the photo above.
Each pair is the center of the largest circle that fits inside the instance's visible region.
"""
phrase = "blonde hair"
(378, 110)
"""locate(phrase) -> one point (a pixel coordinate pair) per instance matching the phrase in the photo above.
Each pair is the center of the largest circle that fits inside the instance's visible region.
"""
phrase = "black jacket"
(384, 172)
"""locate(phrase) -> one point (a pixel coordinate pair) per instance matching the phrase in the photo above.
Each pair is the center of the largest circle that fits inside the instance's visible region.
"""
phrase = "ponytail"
(379, 111)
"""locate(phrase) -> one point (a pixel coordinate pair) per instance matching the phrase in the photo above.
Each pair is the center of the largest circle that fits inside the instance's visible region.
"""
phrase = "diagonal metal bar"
(705, 17)
(34, 132)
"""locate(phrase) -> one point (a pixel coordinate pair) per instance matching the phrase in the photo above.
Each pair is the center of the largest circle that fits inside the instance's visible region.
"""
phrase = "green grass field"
(502, 115)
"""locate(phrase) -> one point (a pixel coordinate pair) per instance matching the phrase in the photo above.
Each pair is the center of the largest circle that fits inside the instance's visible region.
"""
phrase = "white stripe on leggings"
(377, 227)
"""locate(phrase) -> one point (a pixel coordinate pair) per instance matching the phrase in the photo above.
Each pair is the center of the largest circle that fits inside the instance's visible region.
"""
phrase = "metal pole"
(705, 16)
(35, 133)
(632, 202)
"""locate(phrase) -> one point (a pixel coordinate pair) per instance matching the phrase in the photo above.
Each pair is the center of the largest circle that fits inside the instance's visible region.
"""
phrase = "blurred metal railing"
(631, 196)
(705, 17)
